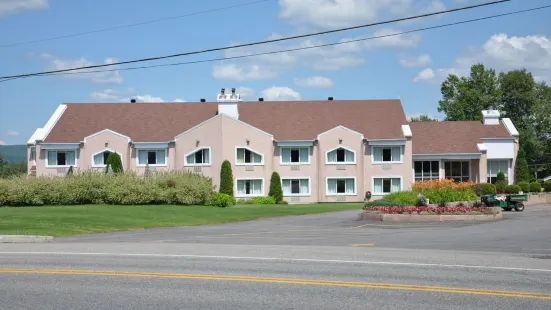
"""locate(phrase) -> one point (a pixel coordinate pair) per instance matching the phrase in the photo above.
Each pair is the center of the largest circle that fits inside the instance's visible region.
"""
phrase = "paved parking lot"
(519, 232)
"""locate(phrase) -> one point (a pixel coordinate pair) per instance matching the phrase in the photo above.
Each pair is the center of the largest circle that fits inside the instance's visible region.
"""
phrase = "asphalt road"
(520, 232)
(324, 261)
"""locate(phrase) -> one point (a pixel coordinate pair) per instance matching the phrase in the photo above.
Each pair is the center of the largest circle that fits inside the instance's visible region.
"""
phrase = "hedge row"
(181, 188)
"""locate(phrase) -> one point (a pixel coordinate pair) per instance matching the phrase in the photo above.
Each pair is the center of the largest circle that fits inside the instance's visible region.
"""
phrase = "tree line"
(8, 169)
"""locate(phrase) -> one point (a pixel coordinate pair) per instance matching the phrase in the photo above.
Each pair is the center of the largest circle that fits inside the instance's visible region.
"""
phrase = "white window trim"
(61, 166)
(401, 161)
(508, 174)
(385, 177)
(103, 166)
(186, 164)
(293, 147)
(343, 162)
(340, 194)
(262, 187)
(151, 150)
(249, 164)
(298, 178)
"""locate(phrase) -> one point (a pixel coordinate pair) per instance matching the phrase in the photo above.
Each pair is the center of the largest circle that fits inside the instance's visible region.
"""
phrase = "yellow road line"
(373, 285)
(363, 244)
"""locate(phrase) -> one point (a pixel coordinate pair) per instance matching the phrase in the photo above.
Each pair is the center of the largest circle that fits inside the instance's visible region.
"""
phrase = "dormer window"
(199, 157)
(341, 156)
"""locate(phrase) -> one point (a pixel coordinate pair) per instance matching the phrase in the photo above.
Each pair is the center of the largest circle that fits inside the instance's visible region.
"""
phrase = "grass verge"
(87, 219)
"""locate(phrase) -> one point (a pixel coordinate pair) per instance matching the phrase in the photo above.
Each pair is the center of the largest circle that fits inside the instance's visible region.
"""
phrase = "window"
(341, 186)
(295, 155)
(426, 170)
(496, 166)
(386, 185)
(33, 154)
(152, 157)
(246, 156)
(199, 157)
(296, 187)
(341, 156)
(61, 158)
(390, 154)
(101, 158)
(250, 188)
(457, 170)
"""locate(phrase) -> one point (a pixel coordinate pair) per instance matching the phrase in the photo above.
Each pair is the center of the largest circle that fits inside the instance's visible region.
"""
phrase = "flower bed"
(430, 210)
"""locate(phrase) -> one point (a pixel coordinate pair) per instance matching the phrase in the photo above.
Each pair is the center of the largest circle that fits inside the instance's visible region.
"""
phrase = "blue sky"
(409, 67)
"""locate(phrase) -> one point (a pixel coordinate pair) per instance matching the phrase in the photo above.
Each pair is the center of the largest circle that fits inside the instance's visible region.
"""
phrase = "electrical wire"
(134, 25)
(307, 47)
(260, 42)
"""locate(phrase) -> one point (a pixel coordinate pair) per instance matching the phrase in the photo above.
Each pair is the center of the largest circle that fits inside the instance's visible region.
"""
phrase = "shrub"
(430, 210)
(275, 187)
(500, 187)
(442, 204)
(482, 189)
(181, 188)
(283, 202)
(477, 204)
(221, 200)
(522, 173)
(500, 177)
(524, 186)
(535, 187)
(434, 196)
(257, 201)
(547, 186)
(382, 202)
(114, 161)
(403, 198)
(512, 189)
(226, 179)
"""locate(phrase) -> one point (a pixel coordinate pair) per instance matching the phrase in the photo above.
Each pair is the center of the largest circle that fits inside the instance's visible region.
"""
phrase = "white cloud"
(338, 13)
(56, 63)
(392, 39)
(234, 72)
(425, 75)
(245, 92)
(2, 142)
(277, 93)
(503, 53)
(314, 82)
(15, 6)
(13, 133)
(336, 63)
(125, 95)
(415, 61)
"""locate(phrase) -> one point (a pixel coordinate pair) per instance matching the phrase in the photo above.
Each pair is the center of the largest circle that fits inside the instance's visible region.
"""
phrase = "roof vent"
(133, 100)
(330, 98)
(203, 100)
(490, 117)
(260, 99)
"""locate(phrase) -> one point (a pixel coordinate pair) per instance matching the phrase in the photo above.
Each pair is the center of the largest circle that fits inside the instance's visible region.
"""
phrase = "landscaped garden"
(93, 202)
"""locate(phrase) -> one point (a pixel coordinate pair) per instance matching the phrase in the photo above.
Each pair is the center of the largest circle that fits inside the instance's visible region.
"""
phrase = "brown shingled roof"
(304, 120)
(457, 137)
(286, 120)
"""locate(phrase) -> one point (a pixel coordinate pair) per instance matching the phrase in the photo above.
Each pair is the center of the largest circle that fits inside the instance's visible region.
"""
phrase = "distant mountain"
(14, 153)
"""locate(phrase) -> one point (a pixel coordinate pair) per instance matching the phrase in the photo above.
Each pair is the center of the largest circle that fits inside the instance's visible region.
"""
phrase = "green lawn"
(86, 219)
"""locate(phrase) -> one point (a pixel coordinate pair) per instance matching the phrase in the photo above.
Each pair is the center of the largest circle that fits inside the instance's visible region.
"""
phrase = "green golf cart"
(510, 201)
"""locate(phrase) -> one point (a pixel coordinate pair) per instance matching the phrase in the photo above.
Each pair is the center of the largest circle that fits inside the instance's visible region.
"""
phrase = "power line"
(134, 25)
(261, 42)
(307, 47)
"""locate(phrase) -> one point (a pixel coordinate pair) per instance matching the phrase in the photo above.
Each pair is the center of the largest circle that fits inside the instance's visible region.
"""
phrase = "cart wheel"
(507, 208)
(519, 207)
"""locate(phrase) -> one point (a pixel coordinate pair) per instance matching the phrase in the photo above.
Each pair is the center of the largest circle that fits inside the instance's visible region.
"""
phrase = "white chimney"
(490, 117)
(227, 103)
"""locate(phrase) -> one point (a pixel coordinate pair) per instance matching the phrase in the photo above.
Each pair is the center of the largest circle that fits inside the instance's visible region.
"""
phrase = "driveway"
(519, 232)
